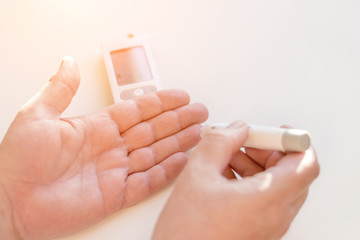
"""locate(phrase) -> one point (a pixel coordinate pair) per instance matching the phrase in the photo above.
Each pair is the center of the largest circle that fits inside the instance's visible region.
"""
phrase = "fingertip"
(219, 144)
(69, 73)
(311, 163)
(57, 94)
(67, 60)
(173, 97)
(206, 112)
(62, 86)
(188, 137)
(202, 111)
(234, 130)
(316, 162)
(67, 64)
(184, 94)
(196, 130)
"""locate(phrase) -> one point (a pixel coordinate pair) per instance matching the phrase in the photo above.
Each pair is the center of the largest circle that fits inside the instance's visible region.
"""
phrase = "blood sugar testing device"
(130, 68)
(272, 138)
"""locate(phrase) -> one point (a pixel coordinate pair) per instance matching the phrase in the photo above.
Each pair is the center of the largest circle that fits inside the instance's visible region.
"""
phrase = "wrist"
(7, 226)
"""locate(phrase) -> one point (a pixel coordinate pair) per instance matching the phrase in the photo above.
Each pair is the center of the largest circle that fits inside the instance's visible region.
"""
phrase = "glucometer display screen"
(131, 65)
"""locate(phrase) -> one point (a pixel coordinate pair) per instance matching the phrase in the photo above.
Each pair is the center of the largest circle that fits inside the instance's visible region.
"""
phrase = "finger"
(145, 158)
(141, 185)
(218, 145)
(228, 173)
(264, 158)
(244, 165)
(292, 175)
(163, 125)
(129, 113)
(57, 94)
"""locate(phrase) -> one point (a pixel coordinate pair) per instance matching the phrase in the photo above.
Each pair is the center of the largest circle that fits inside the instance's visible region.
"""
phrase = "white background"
(266, 62)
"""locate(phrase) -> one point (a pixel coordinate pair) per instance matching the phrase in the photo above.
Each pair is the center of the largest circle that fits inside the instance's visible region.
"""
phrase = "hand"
(61, 175)
(206, 205)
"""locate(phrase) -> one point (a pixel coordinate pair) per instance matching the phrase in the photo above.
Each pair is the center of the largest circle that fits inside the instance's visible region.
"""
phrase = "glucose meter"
(130, 68)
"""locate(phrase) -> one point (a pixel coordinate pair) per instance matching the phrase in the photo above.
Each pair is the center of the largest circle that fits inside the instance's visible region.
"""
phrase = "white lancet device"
(130, 68)
(272, 138)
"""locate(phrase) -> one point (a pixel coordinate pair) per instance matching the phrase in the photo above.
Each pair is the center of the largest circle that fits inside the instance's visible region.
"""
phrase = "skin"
(58, 176)
(208, 203)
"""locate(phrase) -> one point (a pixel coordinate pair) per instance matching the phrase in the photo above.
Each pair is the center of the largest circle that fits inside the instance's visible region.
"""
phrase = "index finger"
(129, 113)
(218, 145)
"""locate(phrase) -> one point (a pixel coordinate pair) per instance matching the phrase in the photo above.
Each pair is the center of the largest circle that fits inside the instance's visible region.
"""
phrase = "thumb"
(218, 145)
(56, 95)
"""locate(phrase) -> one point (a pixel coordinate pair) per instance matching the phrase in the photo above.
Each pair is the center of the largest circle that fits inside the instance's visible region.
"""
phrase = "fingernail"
(237, 124)
(209, 128)
(66, 61)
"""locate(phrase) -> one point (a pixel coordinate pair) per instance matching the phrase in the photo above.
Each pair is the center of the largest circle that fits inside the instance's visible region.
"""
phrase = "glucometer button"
(138, 92)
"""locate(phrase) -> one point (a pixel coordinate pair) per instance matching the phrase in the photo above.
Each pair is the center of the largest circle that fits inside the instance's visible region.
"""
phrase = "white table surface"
(266, 62)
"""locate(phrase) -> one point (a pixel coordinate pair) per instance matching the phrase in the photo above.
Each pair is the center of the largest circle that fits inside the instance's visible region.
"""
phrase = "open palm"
(61, 175)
